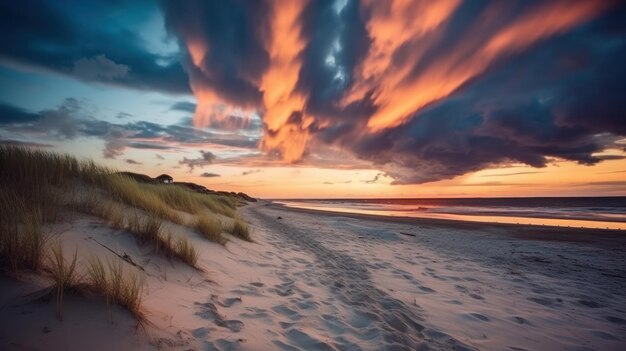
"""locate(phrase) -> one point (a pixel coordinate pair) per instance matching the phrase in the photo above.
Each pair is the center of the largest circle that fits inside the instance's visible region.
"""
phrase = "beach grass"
(210, 228)
(110, 281)
(240, 229)
(63, 273)
(21, 238)
(186, 252)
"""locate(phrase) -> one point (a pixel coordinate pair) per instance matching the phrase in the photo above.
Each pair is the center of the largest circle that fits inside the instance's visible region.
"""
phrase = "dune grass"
(117, 287)
(186, 252)
(240, 229)
(210, 228)
(21, 238)
(38, 187)
(63, 274)
(122, 188)
(40, 175)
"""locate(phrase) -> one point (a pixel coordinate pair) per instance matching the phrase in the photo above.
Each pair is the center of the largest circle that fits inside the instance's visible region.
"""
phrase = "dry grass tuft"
(21, 238)
(186, 252)
(240, 229)
(146, 230)
(124, 189)
(211, 229)
(116, 286)
(63, 274)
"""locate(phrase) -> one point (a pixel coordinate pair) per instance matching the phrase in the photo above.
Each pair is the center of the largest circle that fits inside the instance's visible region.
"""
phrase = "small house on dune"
(165, 179)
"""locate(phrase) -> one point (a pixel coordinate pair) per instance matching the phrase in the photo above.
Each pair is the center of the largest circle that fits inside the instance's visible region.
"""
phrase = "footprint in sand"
(254, 312)
(426, 289)
(224, 345)
(520, 320)
(362, 319)
(226, 302)
(288, 312)
(209, 310)
(306, 341)
(476, 316)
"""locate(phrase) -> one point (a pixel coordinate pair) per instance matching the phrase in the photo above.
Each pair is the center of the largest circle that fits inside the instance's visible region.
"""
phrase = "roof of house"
(164, 177)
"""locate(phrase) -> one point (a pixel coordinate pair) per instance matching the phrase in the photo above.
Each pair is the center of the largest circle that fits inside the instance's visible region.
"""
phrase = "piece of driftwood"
(408, 234)
(125, 256)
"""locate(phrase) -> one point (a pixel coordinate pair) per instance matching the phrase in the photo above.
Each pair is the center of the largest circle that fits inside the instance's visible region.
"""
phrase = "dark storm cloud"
(336, 39)
(422, 94)
(59, 37)
(235, 31)
(10, 114)
(563, 99)
(555, 92)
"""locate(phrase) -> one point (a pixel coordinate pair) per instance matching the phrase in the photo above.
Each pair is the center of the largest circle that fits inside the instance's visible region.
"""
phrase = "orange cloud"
(399, 92)
(393, 24)
(281, 102)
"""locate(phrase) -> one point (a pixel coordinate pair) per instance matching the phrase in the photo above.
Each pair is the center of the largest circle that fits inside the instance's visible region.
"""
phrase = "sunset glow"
(346, 98)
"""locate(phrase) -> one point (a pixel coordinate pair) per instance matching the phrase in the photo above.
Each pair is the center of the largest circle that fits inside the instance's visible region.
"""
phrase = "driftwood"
(124, 257)
(408, 234)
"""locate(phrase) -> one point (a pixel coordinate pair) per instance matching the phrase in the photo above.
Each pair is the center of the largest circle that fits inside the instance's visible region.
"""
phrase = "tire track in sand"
(383, 320)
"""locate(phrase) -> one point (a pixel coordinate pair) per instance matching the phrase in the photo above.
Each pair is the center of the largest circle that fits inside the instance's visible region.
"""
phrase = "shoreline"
(528, 231)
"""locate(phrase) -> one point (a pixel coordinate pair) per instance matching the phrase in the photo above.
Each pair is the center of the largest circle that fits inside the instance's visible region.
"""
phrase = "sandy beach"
(319, 281)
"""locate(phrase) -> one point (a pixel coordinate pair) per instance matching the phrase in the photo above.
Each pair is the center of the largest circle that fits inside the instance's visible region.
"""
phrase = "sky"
(326, 99)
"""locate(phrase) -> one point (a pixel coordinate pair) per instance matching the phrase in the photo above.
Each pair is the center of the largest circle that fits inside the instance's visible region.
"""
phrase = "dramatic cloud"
(72, 40)
(422, 90)
(205, 159)
(132, 162)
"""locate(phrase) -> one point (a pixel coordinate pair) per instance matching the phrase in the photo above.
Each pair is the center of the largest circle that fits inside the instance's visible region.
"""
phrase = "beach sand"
(323, 281)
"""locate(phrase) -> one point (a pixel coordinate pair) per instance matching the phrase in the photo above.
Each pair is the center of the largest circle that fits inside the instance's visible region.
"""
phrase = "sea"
(581, 212)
